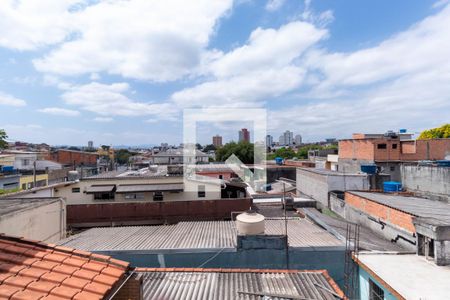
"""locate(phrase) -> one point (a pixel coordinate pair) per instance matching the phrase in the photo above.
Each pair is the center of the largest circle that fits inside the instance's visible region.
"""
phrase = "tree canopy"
(436, 133)
(243, 150)
(123, 156)
(209, 147)
(3, 137)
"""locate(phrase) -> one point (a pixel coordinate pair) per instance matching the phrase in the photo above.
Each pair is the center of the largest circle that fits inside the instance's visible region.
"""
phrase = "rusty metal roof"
(230, 284)
(194, 236)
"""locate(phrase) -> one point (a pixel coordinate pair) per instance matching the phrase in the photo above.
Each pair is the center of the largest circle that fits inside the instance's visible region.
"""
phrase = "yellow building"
(7, 160)
(27, 181)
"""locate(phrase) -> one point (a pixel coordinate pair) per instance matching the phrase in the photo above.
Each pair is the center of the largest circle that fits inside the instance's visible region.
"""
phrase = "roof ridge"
(228, 270)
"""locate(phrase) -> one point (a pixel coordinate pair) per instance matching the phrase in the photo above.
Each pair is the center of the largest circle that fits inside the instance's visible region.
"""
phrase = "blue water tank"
(402, 130)
(369, 169)
(279, 160)
(7, 168)
(443, 163)
(392, 186)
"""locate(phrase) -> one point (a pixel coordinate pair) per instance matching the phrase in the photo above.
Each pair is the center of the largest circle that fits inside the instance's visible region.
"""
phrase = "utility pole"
(34, 174)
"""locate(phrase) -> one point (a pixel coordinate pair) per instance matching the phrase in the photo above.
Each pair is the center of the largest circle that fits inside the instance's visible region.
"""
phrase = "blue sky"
(121, 72)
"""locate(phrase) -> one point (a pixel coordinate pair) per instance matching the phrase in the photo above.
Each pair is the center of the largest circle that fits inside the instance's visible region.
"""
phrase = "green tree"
(210, 147)
(436, 133)
(243, 150)
(285, 153)
(123, 156)
(303, 151)
(3, 137)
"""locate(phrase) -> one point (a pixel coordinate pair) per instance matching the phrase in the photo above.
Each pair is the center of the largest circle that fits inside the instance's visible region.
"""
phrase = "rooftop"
(230, 284)
(34, 270)
(411, 276)
(208, 235)
(437, 211)
(9, 205)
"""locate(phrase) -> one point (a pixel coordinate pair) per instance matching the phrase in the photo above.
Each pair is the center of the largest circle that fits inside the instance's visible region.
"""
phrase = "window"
(104, 196)
(392, 168)
(375, 292)
(136, 196)
(220, 176)
(76, 190)
(24, 186)
(381, 146)
(394, 146)
(201, 191)
(25, 162)
(158, 196)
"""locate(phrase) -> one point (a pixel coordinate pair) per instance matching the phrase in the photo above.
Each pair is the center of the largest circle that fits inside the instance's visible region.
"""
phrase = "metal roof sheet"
(194, 236)
(100, 189)
(239, 285)
(149, 188)
(419, 207)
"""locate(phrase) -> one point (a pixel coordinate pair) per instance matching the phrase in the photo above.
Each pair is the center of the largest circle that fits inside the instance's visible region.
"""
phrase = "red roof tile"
(34, 270)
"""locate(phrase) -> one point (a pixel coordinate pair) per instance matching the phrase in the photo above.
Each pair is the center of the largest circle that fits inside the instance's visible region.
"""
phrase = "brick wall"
(379, 211)
(131, 290)
(426, 149)
(356, 149)
(67, 157)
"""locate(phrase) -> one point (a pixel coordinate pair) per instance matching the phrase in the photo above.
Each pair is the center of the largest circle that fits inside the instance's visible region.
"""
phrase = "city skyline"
(67, 78)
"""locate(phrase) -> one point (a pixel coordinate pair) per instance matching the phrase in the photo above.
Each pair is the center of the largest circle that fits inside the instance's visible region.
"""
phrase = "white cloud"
(111, 100)
(59, 111)
(273, 5)
(103, 119)
(262, 68)
(27, 25)
(164, 41)
(9, 100)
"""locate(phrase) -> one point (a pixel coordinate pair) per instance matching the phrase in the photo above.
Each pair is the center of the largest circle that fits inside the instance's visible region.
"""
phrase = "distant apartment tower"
(217, 141)
(90, 144)
(244, 135)
(269, 140)
(298, 139)
(287, 138)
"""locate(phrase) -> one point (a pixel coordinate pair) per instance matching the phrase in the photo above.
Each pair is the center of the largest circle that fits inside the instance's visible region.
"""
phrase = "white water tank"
(250, 223)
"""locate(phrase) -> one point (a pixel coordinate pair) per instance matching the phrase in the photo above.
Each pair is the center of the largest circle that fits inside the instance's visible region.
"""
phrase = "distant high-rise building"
(287, 139)
(269, 140)
(298, 139)
(90, 144)
(244, 135)
(217, 141)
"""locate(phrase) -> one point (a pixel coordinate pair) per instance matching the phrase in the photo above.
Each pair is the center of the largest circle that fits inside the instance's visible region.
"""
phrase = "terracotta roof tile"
(87, 296)
(64, 291)
(43, 286)
(19, 281)
(34, 270)
(27, 295)
(75, 282)
(97, 288)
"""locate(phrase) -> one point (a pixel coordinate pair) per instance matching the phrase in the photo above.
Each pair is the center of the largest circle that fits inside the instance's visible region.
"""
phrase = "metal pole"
(286, 226)
(34, 174)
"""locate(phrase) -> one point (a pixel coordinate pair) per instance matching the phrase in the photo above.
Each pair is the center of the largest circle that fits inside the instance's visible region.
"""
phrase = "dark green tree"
(123, 156)
(3, 137)
(209, 147)
(243, 150)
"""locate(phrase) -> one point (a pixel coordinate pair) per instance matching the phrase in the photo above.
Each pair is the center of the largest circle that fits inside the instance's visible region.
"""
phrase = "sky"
(123, 72)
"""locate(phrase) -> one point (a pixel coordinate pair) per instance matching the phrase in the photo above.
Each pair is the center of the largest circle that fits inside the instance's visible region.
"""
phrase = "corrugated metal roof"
(100, 189)
(193, 235)
(228, 285)
(419, 207)
(149, 188)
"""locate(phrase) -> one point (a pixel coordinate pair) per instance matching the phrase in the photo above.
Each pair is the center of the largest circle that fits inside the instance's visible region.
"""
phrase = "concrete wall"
(337, 205)
(428, 181)
(27, 181)
(44, 223)
(318, 185)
